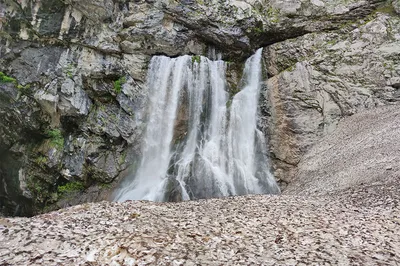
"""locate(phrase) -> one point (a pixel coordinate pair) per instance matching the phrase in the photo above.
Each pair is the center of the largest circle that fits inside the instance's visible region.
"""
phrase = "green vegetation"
(196, 58)
(101, 107)
(69, 70)
(134, 215)
(21, 87)
(5, 35)
(39, 188)
(386, 8)
(258, 30)
(6, 79)
(69, 74)
(273, 14)
(41, 160)
(332, 42)
(118, 84)
(229, 103)
(290, 68)
(122, 158)
(71, 187)
(233, 91)
(113, 117)
(36, 188)
(105, 186)
(56, 138)
(24, 90)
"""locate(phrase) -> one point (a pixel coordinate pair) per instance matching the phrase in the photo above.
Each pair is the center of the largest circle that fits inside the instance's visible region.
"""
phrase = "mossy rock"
(70, 187)
(118, 84)
(6, 79)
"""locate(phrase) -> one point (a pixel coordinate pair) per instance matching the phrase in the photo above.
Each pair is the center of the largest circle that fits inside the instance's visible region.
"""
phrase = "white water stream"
(221, 153)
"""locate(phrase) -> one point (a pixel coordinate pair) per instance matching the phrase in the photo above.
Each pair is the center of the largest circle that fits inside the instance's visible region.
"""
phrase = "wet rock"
(74, 160)
(15, 198)
(173, 191)
(107, 165)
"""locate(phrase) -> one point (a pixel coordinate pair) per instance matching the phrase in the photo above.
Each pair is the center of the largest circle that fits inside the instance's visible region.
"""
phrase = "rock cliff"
(72, 81)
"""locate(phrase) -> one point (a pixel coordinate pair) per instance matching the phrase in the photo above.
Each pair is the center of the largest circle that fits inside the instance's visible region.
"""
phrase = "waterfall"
(220, 151)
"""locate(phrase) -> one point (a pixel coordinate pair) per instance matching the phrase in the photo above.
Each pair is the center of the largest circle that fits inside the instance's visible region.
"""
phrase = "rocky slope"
(356, 227)
(363, 149)
(73, 73)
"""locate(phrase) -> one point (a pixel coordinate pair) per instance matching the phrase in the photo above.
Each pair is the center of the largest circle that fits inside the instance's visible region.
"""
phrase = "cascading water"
(221, 153)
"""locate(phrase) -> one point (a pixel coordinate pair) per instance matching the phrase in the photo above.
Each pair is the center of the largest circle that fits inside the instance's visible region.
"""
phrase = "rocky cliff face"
(73, 73)
(319, 78)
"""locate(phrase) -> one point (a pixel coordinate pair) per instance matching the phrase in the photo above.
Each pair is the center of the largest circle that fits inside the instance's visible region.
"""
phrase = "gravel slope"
(364, 148)
(359, 227)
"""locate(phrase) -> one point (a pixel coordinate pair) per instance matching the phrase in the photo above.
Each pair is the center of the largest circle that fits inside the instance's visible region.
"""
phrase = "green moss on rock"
(118, 84)
(56, 138)
(71, 187)
(387, 8)
(41, 160)
(6, 79)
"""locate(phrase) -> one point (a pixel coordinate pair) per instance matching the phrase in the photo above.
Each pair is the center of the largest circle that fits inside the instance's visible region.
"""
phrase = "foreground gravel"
(359, 226)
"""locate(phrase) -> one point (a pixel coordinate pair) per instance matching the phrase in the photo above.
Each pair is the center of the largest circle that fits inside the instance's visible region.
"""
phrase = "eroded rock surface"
(320, 78)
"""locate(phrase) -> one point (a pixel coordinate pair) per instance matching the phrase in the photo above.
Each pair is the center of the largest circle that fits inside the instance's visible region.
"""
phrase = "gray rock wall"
(72, 89)
(319, 78)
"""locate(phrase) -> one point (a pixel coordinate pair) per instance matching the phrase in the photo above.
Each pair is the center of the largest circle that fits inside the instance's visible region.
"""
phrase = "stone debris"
(357, 226)
(363, 149)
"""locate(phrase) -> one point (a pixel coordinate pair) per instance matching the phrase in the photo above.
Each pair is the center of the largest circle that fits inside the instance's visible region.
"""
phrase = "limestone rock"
(317, 79)
(396, 5)
(73, 99)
